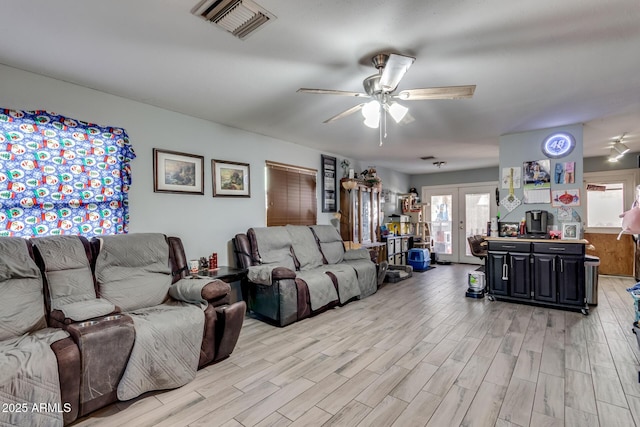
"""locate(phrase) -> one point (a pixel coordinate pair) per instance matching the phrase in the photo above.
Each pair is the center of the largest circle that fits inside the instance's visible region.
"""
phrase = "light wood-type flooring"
(417, 353)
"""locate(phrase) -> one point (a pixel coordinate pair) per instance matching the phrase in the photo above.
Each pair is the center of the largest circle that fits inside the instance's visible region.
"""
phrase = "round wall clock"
(558, 145)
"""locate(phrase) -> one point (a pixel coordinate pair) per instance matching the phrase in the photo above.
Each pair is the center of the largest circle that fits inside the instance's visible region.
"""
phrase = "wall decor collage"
(183, 173)
(537, 178)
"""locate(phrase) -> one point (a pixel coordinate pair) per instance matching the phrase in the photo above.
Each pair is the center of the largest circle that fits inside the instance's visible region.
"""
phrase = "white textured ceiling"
(536, 64)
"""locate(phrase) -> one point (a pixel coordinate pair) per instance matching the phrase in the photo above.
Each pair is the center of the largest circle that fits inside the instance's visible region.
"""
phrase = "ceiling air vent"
(239, 17)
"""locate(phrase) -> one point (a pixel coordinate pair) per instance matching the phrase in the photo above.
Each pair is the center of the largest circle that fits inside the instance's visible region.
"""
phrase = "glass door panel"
(477, 212)
(356, 215)
(441, 224)
(375, 212)
(366, 217)
(455, 213)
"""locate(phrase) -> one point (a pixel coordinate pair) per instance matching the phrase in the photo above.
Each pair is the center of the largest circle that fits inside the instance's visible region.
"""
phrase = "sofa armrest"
(57, 318)
(281, 273)
(83, 310)
(362, 253)
(199, 290)
(266, 274)
(216, 290)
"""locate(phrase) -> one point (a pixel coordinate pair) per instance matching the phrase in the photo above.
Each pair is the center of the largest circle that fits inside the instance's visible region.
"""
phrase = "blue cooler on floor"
(419, 259)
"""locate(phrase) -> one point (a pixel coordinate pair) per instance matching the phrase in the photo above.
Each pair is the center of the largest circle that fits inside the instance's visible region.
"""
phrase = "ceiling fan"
(618, 149)
(381, 87)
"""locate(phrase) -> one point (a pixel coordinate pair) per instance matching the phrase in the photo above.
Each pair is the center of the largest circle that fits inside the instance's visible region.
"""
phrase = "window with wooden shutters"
(291, 195)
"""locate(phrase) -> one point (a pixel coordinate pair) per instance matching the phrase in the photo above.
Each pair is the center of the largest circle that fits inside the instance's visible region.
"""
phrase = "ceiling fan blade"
(394, 70)
(446, 92)
(332, 92)
(345, 113)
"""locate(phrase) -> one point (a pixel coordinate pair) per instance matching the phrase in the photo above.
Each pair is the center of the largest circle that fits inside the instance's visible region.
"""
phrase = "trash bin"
(591, 267)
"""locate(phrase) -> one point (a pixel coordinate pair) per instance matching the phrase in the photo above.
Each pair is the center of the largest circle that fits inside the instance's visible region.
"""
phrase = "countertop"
(554, 241)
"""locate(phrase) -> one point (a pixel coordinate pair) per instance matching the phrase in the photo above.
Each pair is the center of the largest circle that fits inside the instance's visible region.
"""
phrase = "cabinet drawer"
(509, 246)
(559, 248)
(391, 246)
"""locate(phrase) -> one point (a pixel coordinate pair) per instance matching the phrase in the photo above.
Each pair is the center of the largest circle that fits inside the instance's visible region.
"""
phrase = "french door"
(455, 213)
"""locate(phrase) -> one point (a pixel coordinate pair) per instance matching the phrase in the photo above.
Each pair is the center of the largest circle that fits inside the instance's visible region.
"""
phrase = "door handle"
(505, 271)
(561, 266)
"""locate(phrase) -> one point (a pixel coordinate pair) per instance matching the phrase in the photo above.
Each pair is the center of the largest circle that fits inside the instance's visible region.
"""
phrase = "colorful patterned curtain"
(62, 176)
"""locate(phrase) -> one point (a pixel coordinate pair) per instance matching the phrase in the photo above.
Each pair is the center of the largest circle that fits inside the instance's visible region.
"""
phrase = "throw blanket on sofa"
(133, 272)
(166, 350)
(29, 375)
(360, 261)
(274, 246)
(321, 289)
(261, 274)
(348, 286)
(305, 247)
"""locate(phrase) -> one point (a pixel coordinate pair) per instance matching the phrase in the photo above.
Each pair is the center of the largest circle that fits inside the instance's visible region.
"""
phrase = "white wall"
(204, 223)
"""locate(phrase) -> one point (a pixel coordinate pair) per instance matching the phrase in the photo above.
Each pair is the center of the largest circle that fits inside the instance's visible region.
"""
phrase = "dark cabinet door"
(571, 280)
(520, 275)
(497, 269)
(544, 278)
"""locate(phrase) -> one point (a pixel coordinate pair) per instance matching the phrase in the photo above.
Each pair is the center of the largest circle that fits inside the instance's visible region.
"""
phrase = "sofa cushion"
(68, 272)
(21, 299)
(133, 271)
(274, 246)
(330, 243)
(305, 247)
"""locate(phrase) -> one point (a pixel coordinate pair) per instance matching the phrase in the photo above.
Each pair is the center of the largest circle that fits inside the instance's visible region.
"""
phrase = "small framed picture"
(571, 230)
(508, 229)
(329, 184)
(230, 179)
(175, 172)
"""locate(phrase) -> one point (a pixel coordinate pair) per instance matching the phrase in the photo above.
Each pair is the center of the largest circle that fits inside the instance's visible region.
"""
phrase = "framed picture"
(570, 197)
(175, 172)
(329, 184)
(508, 229)
(571, 230)
(230, 179)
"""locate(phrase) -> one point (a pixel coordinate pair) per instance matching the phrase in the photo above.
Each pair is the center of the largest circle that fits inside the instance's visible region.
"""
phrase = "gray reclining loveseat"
(297, 271)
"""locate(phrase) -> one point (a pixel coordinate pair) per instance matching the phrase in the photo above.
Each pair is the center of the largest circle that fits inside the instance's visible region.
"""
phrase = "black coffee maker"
(536, 223)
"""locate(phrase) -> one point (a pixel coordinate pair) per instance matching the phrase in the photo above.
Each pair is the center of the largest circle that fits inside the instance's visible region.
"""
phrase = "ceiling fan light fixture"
(397, 111)
(614, 155)
(371, 109)
(620, 148)
(371, 114)
(372, 122)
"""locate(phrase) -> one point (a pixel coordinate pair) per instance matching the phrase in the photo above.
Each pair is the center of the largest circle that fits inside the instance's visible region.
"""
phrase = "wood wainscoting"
(616, 256)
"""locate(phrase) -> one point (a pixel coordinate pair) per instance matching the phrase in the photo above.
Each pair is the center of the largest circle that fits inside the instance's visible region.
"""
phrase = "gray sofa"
(85, 324)
(298, 271)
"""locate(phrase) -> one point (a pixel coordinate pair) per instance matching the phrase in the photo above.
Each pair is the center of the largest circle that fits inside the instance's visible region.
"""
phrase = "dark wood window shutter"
(291, 195)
